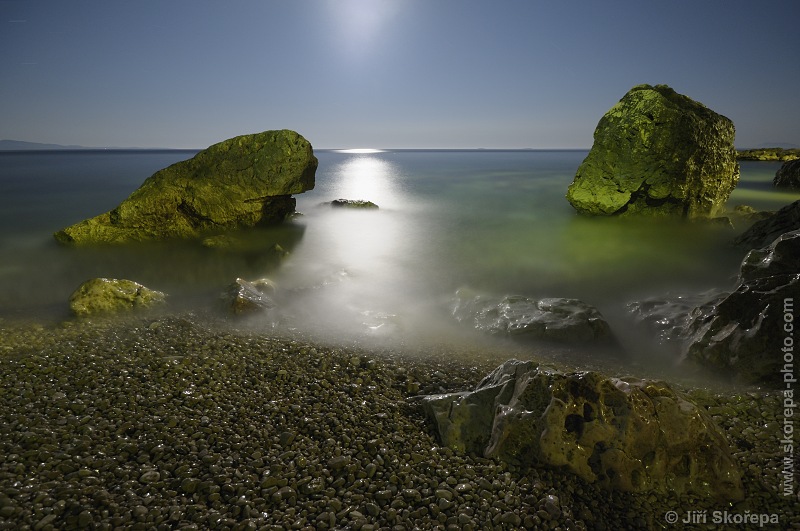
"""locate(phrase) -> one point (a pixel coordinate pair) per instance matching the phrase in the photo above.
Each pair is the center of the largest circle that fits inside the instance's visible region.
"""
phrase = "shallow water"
(496, 222)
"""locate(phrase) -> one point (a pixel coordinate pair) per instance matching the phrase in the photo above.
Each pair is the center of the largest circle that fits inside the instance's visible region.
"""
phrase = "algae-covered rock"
(111, 295)
(657, 152)
(242, 182)
(625, 434)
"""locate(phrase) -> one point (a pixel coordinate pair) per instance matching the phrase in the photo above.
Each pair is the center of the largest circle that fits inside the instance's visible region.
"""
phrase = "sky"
(386, 73)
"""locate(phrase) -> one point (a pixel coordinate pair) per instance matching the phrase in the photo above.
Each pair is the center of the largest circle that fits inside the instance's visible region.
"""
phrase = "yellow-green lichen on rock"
(660, 153)
(623, 434)
(242, 182)
(111, 295)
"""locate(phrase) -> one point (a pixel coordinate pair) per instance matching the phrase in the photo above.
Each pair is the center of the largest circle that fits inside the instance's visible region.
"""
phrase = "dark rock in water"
(624, 434)
(352, 203)
(111, 295)
(243, 297)
(657, 152)
(242, 182)
(669, 317)
(742, 333)
(553, 319)
(763, 233)
(788, 175)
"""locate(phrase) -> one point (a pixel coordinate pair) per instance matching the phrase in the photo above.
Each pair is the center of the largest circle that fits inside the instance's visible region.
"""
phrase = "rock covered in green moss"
(242, 182)
(111, 295)
(657, 152)
(625, 434)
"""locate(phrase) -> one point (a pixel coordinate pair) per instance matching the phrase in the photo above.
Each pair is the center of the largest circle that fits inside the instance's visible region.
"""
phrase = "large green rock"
(657, 152)
(622, 434)
(242, 182)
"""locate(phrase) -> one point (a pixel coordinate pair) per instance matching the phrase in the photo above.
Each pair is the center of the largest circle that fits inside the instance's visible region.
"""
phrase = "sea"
(487, 222)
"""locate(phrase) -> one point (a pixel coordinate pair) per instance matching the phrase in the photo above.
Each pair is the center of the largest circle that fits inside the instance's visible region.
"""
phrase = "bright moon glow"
(360, 23)
(367, 178)
(359, 150)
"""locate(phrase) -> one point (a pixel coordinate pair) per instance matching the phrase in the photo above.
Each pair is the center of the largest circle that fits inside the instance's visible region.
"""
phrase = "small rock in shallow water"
(110, 295)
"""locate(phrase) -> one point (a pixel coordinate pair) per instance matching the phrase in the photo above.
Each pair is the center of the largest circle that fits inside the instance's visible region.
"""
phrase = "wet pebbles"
(168, 423)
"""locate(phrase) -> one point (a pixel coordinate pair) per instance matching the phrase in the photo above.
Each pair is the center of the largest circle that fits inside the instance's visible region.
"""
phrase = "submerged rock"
(111, 295)
(657, 152)
(627, 434)
(352, 203)
(242, 182)
(788, 175)
(764, 232)
(554, 319)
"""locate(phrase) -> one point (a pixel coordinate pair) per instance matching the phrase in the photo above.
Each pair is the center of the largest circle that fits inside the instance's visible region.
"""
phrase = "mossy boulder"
(660, 153)
(242, 182)
(112, 295)
(623, 434)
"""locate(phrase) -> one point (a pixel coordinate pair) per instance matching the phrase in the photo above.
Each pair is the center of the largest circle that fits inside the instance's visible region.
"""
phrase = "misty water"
(494, 222)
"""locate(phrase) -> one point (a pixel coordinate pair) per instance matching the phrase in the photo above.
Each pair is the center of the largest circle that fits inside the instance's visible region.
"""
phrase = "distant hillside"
(777, 145)
(19, 145)
(768, 154)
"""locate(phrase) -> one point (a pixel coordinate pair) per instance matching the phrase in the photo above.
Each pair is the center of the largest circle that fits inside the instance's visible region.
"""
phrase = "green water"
(496, 222)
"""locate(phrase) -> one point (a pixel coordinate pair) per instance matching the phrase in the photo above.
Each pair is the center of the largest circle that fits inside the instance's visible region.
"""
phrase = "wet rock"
(660, 153)
(740, 334)
(788, 176)
(554, 319)
(763, 233)
(352, 203)
(627, 434)
(243, 297)
(669, 317)
(111, 295)
(241, 182)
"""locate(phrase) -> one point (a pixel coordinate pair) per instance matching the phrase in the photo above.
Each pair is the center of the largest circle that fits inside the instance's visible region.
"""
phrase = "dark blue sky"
(385, 73)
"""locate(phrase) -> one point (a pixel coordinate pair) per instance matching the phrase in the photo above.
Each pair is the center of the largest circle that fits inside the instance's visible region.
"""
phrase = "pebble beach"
(177, 422)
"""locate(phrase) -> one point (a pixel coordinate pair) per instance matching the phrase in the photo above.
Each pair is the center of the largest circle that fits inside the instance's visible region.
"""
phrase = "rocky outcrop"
(626, 434)
(352, 203)
(788, 176)
(657, 152)
(764, 232)
(245, 181)
(737, 334)
(552, 319)
(768, 154)
(243, 297)
(111, 295)
(741, 334)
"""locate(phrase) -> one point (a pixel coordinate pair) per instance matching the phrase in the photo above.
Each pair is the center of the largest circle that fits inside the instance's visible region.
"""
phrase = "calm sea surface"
(495, 222)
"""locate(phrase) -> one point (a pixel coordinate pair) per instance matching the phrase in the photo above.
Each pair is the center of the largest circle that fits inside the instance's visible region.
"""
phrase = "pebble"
(172, 423)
